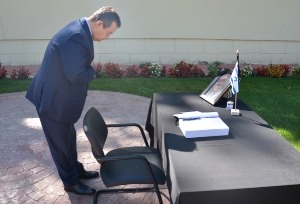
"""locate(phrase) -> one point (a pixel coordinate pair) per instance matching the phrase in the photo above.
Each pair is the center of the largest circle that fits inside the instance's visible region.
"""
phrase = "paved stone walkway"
(27, 172)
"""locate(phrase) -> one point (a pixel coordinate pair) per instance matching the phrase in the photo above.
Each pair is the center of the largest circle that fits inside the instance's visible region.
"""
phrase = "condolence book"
(205, 125)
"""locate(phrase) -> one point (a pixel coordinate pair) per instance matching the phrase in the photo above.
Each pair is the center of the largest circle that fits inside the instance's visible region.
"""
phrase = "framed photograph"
(215, 90)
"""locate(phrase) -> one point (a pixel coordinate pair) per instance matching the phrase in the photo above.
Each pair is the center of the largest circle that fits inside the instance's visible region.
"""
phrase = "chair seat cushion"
(124, 172)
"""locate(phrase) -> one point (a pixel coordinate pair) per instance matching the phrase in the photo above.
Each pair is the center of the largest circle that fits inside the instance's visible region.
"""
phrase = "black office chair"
(129, 165)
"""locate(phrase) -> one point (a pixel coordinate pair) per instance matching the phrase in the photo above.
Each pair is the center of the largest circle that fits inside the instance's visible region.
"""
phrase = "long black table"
(253, 164)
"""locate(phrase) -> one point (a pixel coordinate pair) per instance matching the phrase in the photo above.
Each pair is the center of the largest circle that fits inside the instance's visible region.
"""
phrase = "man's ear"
(99, 23)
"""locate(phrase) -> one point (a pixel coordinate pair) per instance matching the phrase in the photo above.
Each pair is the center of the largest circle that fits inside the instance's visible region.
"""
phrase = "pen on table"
(187, 119)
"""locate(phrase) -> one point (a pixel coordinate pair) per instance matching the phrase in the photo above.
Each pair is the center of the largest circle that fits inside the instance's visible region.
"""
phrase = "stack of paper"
(202, 124)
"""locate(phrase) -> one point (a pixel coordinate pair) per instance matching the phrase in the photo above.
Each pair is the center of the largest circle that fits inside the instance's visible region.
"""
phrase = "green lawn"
(275, 100)
(9, 85)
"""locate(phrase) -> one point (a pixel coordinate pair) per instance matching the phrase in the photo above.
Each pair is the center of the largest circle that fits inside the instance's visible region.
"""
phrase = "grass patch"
(275, 100)
(147, 86)
(16, 85)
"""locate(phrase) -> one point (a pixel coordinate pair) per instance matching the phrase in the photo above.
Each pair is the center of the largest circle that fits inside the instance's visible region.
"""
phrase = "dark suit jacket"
(59, 88)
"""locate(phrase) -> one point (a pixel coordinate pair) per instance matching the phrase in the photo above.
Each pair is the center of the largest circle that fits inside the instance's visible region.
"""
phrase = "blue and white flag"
(234, 79)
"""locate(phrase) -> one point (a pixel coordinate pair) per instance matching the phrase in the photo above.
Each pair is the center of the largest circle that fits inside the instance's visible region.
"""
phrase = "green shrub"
(143, 64)
(275, 71)
(144, 69)
(3, 72)
(112, 70)
(296, 72)
(184, 70)
(247, 71)
(131, 71)
(260, 71)
(98, 71)
(286, 68)
(163, 72)
(213, 68)
(155, 70)
(21, 73)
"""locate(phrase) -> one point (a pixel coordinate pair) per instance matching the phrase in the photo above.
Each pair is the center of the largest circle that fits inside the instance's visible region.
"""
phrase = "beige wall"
(163, 31)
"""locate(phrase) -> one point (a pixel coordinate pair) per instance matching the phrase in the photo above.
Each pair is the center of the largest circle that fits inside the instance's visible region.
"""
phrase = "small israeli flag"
(234, 79)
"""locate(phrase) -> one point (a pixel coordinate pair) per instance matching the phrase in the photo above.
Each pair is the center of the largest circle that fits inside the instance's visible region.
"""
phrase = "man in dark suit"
(59, 90)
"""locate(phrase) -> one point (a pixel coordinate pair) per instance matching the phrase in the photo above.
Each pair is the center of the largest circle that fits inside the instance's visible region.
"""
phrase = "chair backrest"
(96, 130)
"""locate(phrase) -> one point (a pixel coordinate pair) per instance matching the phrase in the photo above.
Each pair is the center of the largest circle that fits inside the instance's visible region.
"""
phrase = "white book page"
(196, 114)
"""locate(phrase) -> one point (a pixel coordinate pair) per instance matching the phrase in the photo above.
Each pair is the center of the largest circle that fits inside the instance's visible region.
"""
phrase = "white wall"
(164, 31)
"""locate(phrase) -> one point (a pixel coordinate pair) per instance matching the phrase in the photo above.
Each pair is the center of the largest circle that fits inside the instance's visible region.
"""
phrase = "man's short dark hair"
(107, 15)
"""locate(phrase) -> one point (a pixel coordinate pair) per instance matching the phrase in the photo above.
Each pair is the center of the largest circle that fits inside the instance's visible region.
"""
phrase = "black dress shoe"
(88, 174)
(80, 189)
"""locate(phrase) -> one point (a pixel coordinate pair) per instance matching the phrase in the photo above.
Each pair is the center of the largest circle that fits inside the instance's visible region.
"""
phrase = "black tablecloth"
(253, 164)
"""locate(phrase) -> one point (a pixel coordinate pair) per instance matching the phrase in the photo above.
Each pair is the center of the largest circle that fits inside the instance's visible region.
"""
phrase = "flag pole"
(236, 111)
(235, 101)
(238, 61)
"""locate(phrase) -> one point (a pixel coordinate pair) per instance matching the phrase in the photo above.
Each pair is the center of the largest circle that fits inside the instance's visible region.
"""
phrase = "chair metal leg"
(127, 190)
(96, 196)
(158, 194)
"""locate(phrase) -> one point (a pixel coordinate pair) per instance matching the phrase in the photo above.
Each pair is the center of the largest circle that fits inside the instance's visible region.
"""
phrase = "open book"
(201, 124)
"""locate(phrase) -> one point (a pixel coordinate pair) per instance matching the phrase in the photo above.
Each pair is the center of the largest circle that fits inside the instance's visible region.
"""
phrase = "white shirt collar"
(88, 24)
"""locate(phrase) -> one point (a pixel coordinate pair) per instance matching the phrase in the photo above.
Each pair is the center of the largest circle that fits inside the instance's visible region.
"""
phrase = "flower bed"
(147, 70)
(271, 70)
(186, 70)
(181, 70)
(21, 73)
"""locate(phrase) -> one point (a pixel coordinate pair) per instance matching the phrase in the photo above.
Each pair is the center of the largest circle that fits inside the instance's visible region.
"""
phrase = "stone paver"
(27, 172)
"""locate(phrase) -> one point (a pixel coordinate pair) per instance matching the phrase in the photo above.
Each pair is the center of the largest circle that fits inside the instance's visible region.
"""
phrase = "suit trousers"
(61, 138)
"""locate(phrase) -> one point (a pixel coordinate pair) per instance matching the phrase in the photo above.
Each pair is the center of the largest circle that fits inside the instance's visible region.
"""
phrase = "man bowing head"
(59, 91)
